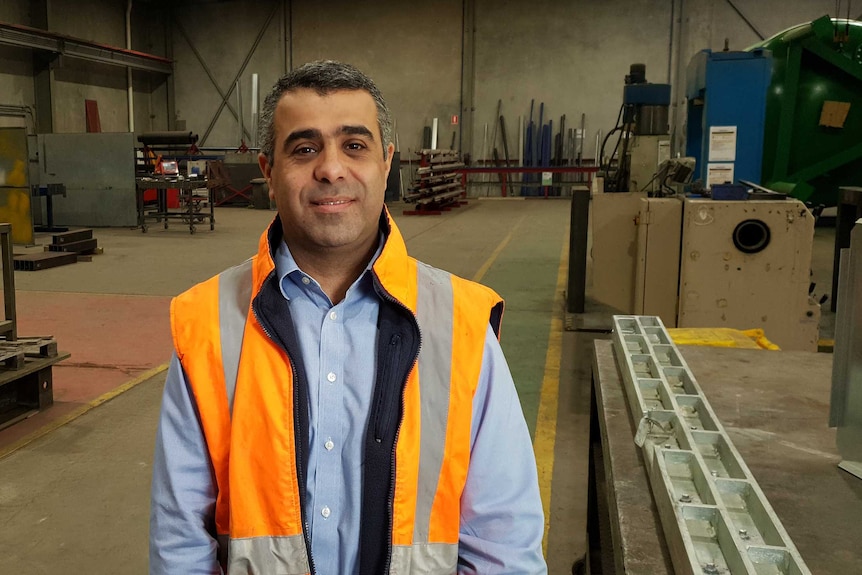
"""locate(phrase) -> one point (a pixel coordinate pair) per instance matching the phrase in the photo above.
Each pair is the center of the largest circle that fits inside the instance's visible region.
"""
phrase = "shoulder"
(435, 278)
(199, 306)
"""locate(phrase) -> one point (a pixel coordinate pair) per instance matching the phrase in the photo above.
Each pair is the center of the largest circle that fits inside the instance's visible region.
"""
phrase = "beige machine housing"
(685, 266)
(723, 286)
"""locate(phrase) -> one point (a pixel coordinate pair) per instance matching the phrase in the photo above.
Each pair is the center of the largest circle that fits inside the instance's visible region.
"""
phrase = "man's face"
(328, 175)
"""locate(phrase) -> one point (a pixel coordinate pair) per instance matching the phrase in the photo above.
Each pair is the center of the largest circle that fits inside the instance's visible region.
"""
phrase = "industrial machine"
(846, 402)
(786, 113)
(642, 135)
(707, 263)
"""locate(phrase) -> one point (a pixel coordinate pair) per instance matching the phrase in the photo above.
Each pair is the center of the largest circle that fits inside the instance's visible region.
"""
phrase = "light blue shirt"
(501, 512)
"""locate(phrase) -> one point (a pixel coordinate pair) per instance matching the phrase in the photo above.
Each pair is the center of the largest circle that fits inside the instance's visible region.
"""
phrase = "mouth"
(331, 202)
(331, 205)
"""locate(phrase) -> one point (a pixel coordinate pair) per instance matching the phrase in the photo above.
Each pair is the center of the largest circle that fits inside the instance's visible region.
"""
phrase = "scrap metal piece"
(846, 400)
(715, 518)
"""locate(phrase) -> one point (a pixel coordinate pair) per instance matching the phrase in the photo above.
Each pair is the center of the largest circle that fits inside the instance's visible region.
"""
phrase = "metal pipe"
(597, 161)
(434, 134)
(129, 85)
(670, 44)
(677, 81)
(254, 113)
(239, 107)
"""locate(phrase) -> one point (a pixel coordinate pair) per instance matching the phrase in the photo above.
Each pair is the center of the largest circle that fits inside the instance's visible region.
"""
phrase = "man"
(334, 406)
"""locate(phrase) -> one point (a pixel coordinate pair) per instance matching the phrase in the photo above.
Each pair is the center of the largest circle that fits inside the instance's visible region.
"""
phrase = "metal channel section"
(715, 517)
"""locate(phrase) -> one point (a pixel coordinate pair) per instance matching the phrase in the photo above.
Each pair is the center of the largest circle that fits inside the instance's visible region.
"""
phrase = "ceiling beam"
(35, 39)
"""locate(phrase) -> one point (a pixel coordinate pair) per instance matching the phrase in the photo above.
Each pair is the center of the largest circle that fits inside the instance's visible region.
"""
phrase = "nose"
(329, 167)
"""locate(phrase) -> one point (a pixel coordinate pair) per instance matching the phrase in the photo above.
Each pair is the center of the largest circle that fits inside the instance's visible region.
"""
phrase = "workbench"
(189, 212)
(774, 406)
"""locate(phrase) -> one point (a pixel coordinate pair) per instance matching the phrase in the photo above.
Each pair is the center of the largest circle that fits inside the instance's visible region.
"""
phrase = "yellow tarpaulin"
(721, 337)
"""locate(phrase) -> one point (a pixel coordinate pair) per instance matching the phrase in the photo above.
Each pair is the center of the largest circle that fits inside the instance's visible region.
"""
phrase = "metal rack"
(190, 212)
(437, 185)
(26, 383)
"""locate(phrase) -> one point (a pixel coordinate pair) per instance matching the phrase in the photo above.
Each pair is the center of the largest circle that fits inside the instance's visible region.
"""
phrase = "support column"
(43, 74)
(468, 75)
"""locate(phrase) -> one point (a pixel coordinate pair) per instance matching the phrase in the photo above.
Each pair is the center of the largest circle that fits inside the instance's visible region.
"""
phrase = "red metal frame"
(527, 170)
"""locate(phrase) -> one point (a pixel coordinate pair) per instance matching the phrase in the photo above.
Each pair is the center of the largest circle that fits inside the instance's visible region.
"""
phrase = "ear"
(390, 149)
(266, 170)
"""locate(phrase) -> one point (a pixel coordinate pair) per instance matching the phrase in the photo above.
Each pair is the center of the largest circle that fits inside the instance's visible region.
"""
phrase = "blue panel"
(728, 89)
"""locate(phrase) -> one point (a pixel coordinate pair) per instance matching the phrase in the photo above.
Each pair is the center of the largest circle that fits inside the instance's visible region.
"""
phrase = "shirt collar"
(291, 279)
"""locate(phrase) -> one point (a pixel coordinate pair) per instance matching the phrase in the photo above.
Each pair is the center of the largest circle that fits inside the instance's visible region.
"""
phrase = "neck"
(335, 271)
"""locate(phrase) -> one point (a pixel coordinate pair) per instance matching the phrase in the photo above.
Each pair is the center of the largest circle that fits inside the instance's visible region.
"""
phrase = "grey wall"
(570, 54)
(412, 51)
(72, 81)
(223, 34)
(16, 69)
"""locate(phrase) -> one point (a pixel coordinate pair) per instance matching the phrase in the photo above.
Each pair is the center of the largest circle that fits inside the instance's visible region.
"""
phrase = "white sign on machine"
(722, 155)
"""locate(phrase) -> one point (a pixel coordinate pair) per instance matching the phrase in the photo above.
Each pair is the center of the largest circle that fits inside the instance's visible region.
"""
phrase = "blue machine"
(728, 89)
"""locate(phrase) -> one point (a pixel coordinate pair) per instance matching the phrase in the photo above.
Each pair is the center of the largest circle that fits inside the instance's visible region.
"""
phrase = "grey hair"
(324, 77)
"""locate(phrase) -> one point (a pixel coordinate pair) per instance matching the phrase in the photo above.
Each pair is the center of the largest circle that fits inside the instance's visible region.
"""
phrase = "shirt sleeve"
(502, 522)
(182, 504)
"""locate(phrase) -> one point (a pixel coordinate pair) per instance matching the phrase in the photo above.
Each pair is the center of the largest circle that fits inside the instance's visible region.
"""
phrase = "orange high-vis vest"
(242, 379)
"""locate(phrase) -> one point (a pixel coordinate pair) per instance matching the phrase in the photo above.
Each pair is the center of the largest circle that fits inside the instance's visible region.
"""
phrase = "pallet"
(27, 390)
(13, 354)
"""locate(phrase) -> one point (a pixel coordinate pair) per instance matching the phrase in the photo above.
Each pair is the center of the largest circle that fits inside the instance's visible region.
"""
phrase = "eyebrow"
(315, 134)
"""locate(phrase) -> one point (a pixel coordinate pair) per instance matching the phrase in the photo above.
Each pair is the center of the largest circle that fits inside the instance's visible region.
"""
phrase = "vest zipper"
(381, 420)
(391, 499)
(300, 471)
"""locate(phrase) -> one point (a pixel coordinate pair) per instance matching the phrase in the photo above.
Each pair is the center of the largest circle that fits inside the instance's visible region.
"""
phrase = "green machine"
(812, 141)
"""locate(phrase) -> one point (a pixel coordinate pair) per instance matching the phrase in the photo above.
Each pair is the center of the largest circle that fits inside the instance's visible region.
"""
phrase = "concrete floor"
(77, 498)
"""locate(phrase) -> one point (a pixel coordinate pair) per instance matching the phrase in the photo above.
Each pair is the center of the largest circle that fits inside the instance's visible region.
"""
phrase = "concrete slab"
(77, 500)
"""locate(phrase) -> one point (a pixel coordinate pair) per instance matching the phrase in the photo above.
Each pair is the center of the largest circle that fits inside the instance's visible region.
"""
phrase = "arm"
(502, 522)
(182, 507)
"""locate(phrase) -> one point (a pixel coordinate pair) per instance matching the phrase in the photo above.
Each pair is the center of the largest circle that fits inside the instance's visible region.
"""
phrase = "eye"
(304, 150)
(355, 146)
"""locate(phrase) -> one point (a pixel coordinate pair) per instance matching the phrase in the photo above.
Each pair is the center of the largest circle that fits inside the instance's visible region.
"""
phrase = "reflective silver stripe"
(234, 295)
(267, 555)
(424, 558)
(434, 310)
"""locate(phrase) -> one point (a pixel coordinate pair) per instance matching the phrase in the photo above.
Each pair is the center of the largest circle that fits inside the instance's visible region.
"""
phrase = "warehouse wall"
(16, 67)
(573, 56)
(412, 51)
(74, 81)
(223, 33)
(570, 54)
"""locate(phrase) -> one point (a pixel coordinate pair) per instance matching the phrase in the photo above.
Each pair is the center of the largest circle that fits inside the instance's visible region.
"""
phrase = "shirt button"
(305, 280)
(325, 512)
(328, 445)
(333, 316)
(331, 377)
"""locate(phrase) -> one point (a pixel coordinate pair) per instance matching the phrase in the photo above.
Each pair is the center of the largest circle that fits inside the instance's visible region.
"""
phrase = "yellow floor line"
(58, 423)
(546, 421)
(490, 261)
